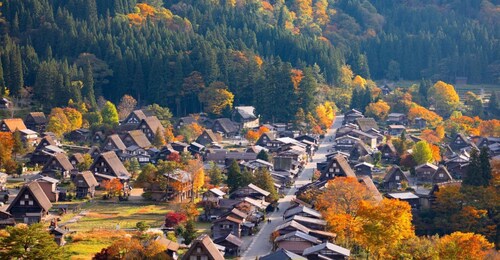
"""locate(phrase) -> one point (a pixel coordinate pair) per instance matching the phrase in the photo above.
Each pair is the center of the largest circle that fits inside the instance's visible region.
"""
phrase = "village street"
(259, 244)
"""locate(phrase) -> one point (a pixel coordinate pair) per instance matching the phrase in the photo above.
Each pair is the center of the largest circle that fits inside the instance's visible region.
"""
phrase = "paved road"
(260, 244)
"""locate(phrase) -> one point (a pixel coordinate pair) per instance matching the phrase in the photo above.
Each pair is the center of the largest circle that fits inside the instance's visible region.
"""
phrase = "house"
(29, 137)
(136, 138)
(213, 194)
(45, 151)
(108, 166)
(327, 251)
(386, 90)
(59, 235)
(180, 185)
(6, 219)
(31, 205)
(302, 211)
(358, 151)
(225, 225)
(265, 139)
(76, 159)
(346, 143)
(336, 166)
(134, 118)
(184, 121)
(366, 124)
(250, 190)
(203, 248)
(98, 137)
(419, 123)
(364, 168)
(282, 254)
(394, 178)
(441, 175)
(196, 148)
(49, 187)
(397, 119)
(409, 197)
(85, 184)
(351, 116)
(368, 183)
(231, 243)
(425, 172)
(388, 152)
(309, 138)
(459, 142)
(113, 143)
(255, 165)
(245, 117)
(396, 130)
(58, 164)
(296, 242)
(12, 124)
(5, 104)
(180, 147)
(79, 135)
(225, 127)
(457, 166)
(207, 138)
(311, 223)
(150, 126)
(291, 226)
(171, 246)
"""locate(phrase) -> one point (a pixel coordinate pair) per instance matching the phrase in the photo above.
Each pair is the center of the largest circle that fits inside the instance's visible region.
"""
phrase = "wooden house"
(171, 246)
(425, 172)
(207, 138)
(136, 138)
(203, 248)
(5, 104)
(223, 226)
(29, 137)
(327, 251)
(419, 123)
(395, 130)
(311, 223)
(250, 190)
(6, 219)
(12, 124)
(302, 211)
(388, 152)
(31, 205)
(351, 116)
(397, 119)
(180, 187)
(459, 142)
(364, 168)
(231, 243)
(49, 187)
(266, 139)
(366, 124)
(296, 242)
(225, 127)
(282, 254)
(85, 184)
(76, 159)
(150, 126)
(394, 178)
(135, 117)
(180, 147)
(59, 235)
(113, 143)
(107, 166)
(337, 166)
(245, 117)
(441, 175)
(58, 164)
(409, 197)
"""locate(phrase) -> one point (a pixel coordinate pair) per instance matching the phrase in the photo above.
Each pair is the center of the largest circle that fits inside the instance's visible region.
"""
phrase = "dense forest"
(273, 54)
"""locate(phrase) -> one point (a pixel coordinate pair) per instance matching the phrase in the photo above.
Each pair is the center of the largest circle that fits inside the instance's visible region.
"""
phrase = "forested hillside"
(276, 55)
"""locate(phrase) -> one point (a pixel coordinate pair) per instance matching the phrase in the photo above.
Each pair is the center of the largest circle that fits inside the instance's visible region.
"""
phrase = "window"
(30, 203)
(26, 196)
(337, 170)
(441, 175)
(331, 169)
(397, 178)
(22, 202)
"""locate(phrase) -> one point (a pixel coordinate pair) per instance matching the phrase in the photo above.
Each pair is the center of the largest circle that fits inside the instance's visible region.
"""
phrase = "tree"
(234, 178)
(29, 242)
(87, 162)
(159, 138)
(263, 155)
(125, 248)
(493, 104)
(216, 98)
(6, 147)
(252, 136)
(215, 174)
(489, 128)
(162, 113)
(109, 114)
(189, 233)
(88, 85)
(384, 226)
(422, 153)
(339, 203)
(479, 169)
(74, 117)
(430, 117)
(462, 246)
(195, 169)
(18, 146)
(444, 97)
(379, 110)
(142, 226)
(126, 106)
(264, 181)
(173, 219)
(113, 186)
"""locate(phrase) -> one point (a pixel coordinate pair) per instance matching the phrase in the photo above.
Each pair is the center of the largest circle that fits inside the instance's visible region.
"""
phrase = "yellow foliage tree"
(326, 114)
(432, 118)
(444, 97)
(359, 82)
(321, 12)
(463, 246)
(195, 169)
(346, 76)
(58, 122)
(216, 99)
(379, 110)
(74, 117)
(384, 226)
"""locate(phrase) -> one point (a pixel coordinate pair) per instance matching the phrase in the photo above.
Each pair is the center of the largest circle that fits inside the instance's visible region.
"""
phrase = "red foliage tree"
(172, 219)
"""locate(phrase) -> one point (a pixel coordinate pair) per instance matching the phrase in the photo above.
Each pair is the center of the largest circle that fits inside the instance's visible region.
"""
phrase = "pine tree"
(18, 147)
(215, 175)
(485, 165)
(234, 178)
(474, 175)
(16, 81)
(264, 181)
(247, 177)
(263, 155)
(159, 139)
(88, 86)
(2, 80)
(189, 233)
(493, 105)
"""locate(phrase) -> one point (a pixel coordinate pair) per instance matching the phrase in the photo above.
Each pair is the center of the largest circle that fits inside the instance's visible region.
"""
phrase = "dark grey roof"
(282, 254)
(328, 246)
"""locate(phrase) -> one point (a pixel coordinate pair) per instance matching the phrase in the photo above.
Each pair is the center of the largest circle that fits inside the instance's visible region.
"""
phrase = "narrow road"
(260, 244)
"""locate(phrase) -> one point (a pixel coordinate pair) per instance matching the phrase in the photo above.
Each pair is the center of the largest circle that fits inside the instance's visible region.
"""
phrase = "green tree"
(263, 155)
(484, 161)
(422, 152)
(162, 113)
(29, 242)
(264, 181)
(18, 147)
(474, 176)
(189, 233)
(109, 114)
(215, 175)
(88, 86)
(234, 178)
(247, 177)
(159, 138)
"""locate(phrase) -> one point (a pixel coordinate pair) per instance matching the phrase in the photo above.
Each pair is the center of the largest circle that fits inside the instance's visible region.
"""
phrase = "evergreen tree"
(247, 177)
(215, 175)
(493, 105)
(88, 86)
(189, 233)
(2, 80)
(263, 155)
(307, 90)
(264, 181)
(234, 178)
(16, 79)
(159, 139)
(474, 176)
(484, 160)
(18, 147)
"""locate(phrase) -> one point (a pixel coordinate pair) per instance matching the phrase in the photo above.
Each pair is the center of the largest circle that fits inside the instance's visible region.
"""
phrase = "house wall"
(223, 228)
(297, 247)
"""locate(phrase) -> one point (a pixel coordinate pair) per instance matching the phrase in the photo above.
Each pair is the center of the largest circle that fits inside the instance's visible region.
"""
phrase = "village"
(87, 182)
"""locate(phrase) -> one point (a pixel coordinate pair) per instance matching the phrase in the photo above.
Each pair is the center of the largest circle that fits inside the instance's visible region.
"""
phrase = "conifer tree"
(88, 86)
(109, 114)
(234, 178)
(264, 181)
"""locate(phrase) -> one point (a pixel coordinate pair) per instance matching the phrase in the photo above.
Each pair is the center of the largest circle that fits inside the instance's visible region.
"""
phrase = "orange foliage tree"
(326, 114)
(462, 124)
(462, 246)
(384, 226)
(379, 110)
(430, 136)
(195, 169)
(339, 203)
(490, 128)
(296, 76)
(432, 118)
(113, 187)
(6, 146)
(436, 152)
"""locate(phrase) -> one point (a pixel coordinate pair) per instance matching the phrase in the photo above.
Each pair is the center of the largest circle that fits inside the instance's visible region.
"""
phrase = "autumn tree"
(195, 169)
(252, 136)
(126, 106)
(173, 219)
(422, 152)
(489, 128)
(29, 242)
(74, 118)
(339, 203)
(58, 122)
(159, 138)
(462, 246)
(87, 162)
(444, 98)
(112, 187)
(326, 114)
(379, 110)
(264, 181)
(6, 147)
(125, 248)
(384, 226)
(430, 117)
(216, 98)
